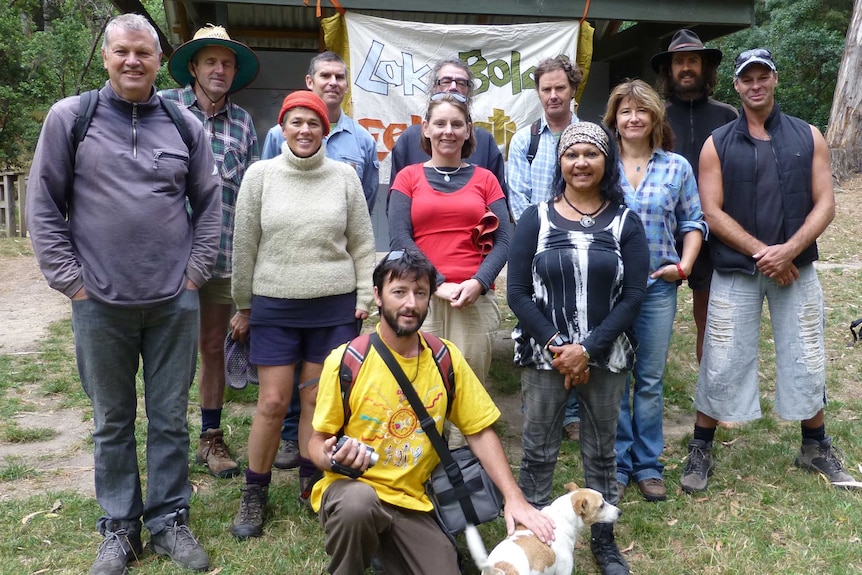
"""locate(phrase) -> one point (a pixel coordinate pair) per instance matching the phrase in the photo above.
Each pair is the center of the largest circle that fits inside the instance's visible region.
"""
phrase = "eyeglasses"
(755, 53)
(454, 95)
(447, 81)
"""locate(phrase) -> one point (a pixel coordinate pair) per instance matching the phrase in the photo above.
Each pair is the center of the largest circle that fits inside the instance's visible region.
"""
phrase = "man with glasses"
(766, 192)
(450, 76)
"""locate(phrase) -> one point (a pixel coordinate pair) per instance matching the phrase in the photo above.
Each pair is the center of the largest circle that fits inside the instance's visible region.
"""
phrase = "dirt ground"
(28, 306)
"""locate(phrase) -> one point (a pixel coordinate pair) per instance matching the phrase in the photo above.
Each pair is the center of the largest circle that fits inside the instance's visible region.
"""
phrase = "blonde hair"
(644, 95)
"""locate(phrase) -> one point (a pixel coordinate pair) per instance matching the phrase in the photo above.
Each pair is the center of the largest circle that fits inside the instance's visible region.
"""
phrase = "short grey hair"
(131, 22)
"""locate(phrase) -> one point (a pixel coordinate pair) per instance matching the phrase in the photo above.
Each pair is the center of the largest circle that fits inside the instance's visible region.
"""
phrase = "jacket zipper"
(134, 130)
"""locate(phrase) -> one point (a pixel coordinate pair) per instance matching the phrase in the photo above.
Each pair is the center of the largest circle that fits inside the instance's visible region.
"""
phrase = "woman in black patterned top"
(577, 276)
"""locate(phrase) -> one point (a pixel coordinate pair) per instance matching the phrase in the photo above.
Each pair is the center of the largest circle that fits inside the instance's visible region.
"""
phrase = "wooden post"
(7, 204)
(22, 203)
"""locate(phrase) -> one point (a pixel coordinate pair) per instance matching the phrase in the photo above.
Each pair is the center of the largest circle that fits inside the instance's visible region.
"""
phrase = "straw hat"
(247, 64)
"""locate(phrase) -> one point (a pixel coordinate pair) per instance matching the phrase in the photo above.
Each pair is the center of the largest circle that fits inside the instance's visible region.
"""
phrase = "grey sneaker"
(698, 466)
(116, 550)
(288, 455)
(252, 512)
(821, 457)
(177, 542)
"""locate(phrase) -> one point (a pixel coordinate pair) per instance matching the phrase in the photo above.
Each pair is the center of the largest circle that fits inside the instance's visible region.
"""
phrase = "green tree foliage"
(807, 39)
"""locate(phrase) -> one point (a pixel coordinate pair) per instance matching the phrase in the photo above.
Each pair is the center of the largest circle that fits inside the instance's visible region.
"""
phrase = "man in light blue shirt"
(347, 142)
(557, 81)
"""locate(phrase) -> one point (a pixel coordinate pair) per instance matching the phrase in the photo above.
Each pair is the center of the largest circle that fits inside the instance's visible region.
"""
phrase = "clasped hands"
(569, 360)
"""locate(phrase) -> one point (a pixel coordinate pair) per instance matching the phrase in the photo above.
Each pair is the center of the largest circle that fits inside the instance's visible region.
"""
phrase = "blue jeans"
(544, 396)
(640, 437)
(109, 343)
(571, 409)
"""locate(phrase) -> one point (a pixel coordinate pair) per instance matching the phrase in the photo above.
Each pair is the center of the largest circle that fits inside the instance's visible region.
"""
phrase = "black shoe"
(116, 550)
(698, 466)
(821, 457)
(252, 512)
(605, 550)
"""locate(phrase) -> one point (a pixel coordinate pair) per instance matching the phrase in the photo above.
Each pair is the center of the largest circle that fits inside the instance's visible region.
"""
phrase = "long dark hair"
(609, 187)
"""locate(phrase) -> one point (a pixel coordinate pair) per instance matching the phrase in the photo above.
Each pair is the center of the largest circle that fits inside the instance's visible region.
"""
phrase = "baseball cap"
(753, 56)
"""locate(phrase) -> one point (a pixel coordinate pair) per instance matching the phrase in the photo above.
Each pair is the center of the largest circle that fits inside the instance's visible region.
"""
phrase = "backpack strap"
(86, 110)
(535, 135)
(173, 110)
(357, 350)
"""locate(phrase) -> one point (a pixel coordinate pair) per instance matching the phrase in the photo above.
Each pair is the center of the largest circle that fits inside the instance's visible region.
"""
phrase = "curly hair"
(574, 74)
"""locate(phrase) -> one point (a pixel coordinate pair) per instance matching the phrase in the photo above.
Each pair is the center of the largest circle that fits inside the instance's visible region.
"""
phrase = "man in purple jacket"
(126, 223)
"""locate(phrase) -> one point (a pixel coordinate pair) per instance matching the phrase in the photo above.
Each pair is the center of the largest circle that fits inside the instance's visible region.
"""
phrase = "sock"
(706, 434)
(262, 479)
(816, 433)
(306, 467)
(210, 419)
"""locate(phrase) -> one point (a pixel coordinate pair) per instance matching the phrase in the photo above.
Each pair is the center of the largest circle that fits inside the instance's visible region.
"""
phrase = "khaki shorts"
(217, 291)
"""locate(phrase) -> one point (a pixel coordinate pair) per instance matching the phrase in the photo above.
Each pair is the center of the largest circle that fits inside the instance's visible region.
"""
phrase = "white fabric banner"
(391, 61)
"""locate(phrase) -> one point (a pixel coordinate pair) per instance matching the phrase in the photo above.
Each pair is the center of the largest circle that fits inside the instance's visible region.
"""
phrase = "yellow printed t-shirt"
(381, 417)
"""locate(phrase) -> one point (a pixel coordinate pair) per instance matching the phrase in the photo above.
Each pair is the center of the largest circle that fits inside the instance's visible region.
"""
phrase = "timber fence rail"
(13, 191)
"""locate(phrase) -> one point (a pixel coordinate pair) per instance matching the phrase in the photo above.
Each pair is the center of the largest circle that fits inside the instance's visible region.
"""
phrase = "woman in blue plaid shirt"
(660, 186)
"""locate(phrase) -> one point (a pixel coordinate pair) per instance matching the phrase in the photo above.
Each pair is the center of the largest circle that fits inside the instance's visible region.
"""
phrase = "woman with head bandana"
(576, 279)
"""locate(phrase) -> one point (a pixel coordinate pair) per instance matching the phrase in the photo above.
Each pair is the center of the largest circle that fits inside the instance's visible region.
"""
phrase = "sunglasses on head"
(454, 95)
(447, 81)
(395, 255)
(755, 53)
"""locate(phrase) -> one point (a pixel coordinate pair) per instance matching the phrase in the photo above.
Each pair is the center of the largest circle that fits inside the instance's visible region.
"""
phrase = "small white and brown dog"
(522, 553)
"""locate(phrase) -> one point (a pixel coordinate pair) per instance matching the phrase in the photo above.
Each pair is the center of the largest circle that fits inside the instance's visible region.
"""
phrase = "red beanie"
(305, 99)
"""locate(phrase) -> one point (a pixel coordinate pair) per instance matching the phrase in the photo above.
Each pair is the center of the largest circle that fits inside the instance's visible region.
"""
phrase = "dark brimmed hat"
(685, 41)
(247, 64)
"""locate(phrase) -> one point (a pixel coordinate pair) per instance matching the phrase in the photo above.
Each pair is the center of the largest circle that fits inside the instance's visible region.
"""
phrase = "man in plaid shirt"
(211, 66)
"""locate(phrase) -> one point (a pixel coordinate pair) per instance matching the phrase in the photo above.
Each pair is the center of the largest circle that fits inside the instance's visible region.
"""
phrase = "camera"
(374, 457)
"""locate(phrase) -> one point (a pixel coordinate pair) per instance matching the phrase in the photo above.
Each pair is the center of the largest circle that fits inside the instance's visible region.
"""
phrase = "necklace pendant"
(587, 221)
(446, 178)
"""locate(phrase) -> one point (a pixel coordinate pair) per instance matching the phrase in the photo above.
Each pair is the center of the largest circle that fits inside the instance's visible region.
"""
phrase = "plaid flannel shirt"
(235, 147)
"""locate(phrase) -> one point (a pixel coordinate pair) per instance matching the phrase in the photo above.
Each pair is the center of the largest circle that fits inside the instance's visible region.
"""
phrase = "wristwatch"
(586, 353)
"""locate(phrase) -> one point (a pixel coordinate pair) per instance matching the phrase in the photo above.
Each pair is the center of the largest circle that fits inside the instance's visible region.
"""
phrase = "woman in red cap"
(303, 259)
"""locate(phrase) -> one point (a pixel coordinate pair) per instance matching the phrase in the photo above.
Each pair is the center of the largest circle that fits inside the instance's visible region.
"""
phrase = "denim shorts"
(727, 386)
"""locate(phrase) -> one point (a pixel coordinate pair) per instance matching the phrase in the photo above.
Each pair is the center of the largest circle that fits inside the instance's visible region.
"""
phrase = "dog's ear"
(580, 505)
(570, 486)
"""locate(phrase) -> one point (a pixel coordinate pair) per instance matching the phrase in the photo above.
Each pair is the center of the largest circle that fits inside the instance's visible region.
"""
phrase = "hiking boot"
(213, 452)
(177, 542)
(288, 455)
(252, 512)
(116, 550)
(573, 431)
(605, 550)
(698, 466)
(653, 489)
(822, 458)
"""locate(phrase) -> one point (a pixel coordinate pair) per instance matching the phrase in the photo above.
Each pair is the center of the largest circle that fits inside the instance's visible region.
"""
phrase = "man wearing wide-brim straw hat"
(210, 67)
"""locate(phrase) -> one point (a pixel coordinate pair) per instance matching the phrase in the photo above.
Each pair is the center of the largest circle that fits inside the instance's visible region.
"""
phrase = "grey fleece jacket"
(129, 239)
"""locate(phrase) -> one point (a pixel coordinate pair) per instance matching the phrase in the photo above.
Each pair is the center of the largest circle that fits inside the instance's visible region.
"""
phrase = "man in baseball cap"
(210, 66)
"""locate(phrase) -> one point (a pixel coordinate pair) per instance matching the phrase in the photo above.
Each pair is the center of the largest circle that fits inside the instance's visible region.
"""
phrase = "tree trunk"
(844, 135)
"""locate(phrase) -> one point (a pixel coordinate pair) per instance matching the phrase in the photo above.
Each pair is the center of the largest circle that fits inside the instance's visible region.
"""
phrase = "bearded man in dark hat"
(686, 81)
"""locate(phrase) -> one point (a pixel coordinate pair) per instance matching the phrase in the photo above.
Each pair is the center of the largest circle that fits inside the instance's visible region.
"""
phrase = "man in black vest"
(686, 81)
(766, 192)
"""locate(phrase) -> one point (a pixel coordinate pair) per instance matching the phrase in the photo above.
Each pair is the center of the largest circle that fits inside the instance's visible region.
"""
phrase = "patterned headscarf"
(584, 133)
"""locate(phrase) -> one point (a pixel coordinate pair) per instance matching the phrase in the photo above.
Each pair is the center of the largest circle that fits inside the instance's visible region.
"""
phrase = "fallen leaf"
(57, 506)
(629, 548)
(215, 571)
(672, 522)
(30, 516)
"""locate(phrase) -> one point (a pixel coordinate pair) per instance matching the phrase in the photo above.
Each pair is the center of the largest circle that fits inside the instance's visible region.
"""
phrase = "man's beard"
(391, 320)
(690, 92)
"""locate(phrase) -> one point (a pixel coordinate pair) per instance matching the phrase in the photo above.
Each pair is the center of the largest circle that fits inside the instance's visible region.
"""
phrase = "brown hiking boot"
(213, 451)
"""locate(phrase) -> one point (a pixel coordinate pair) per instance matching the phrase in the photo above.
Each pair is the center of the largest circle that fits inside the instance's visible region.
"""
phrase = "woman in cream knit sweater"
(302, 264)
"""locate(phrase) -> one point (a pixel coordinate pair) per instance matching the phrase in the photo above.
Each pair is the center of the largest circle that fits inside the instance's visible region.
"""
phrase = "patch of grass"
(12, 432)
(15, 247)
(14, 468)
